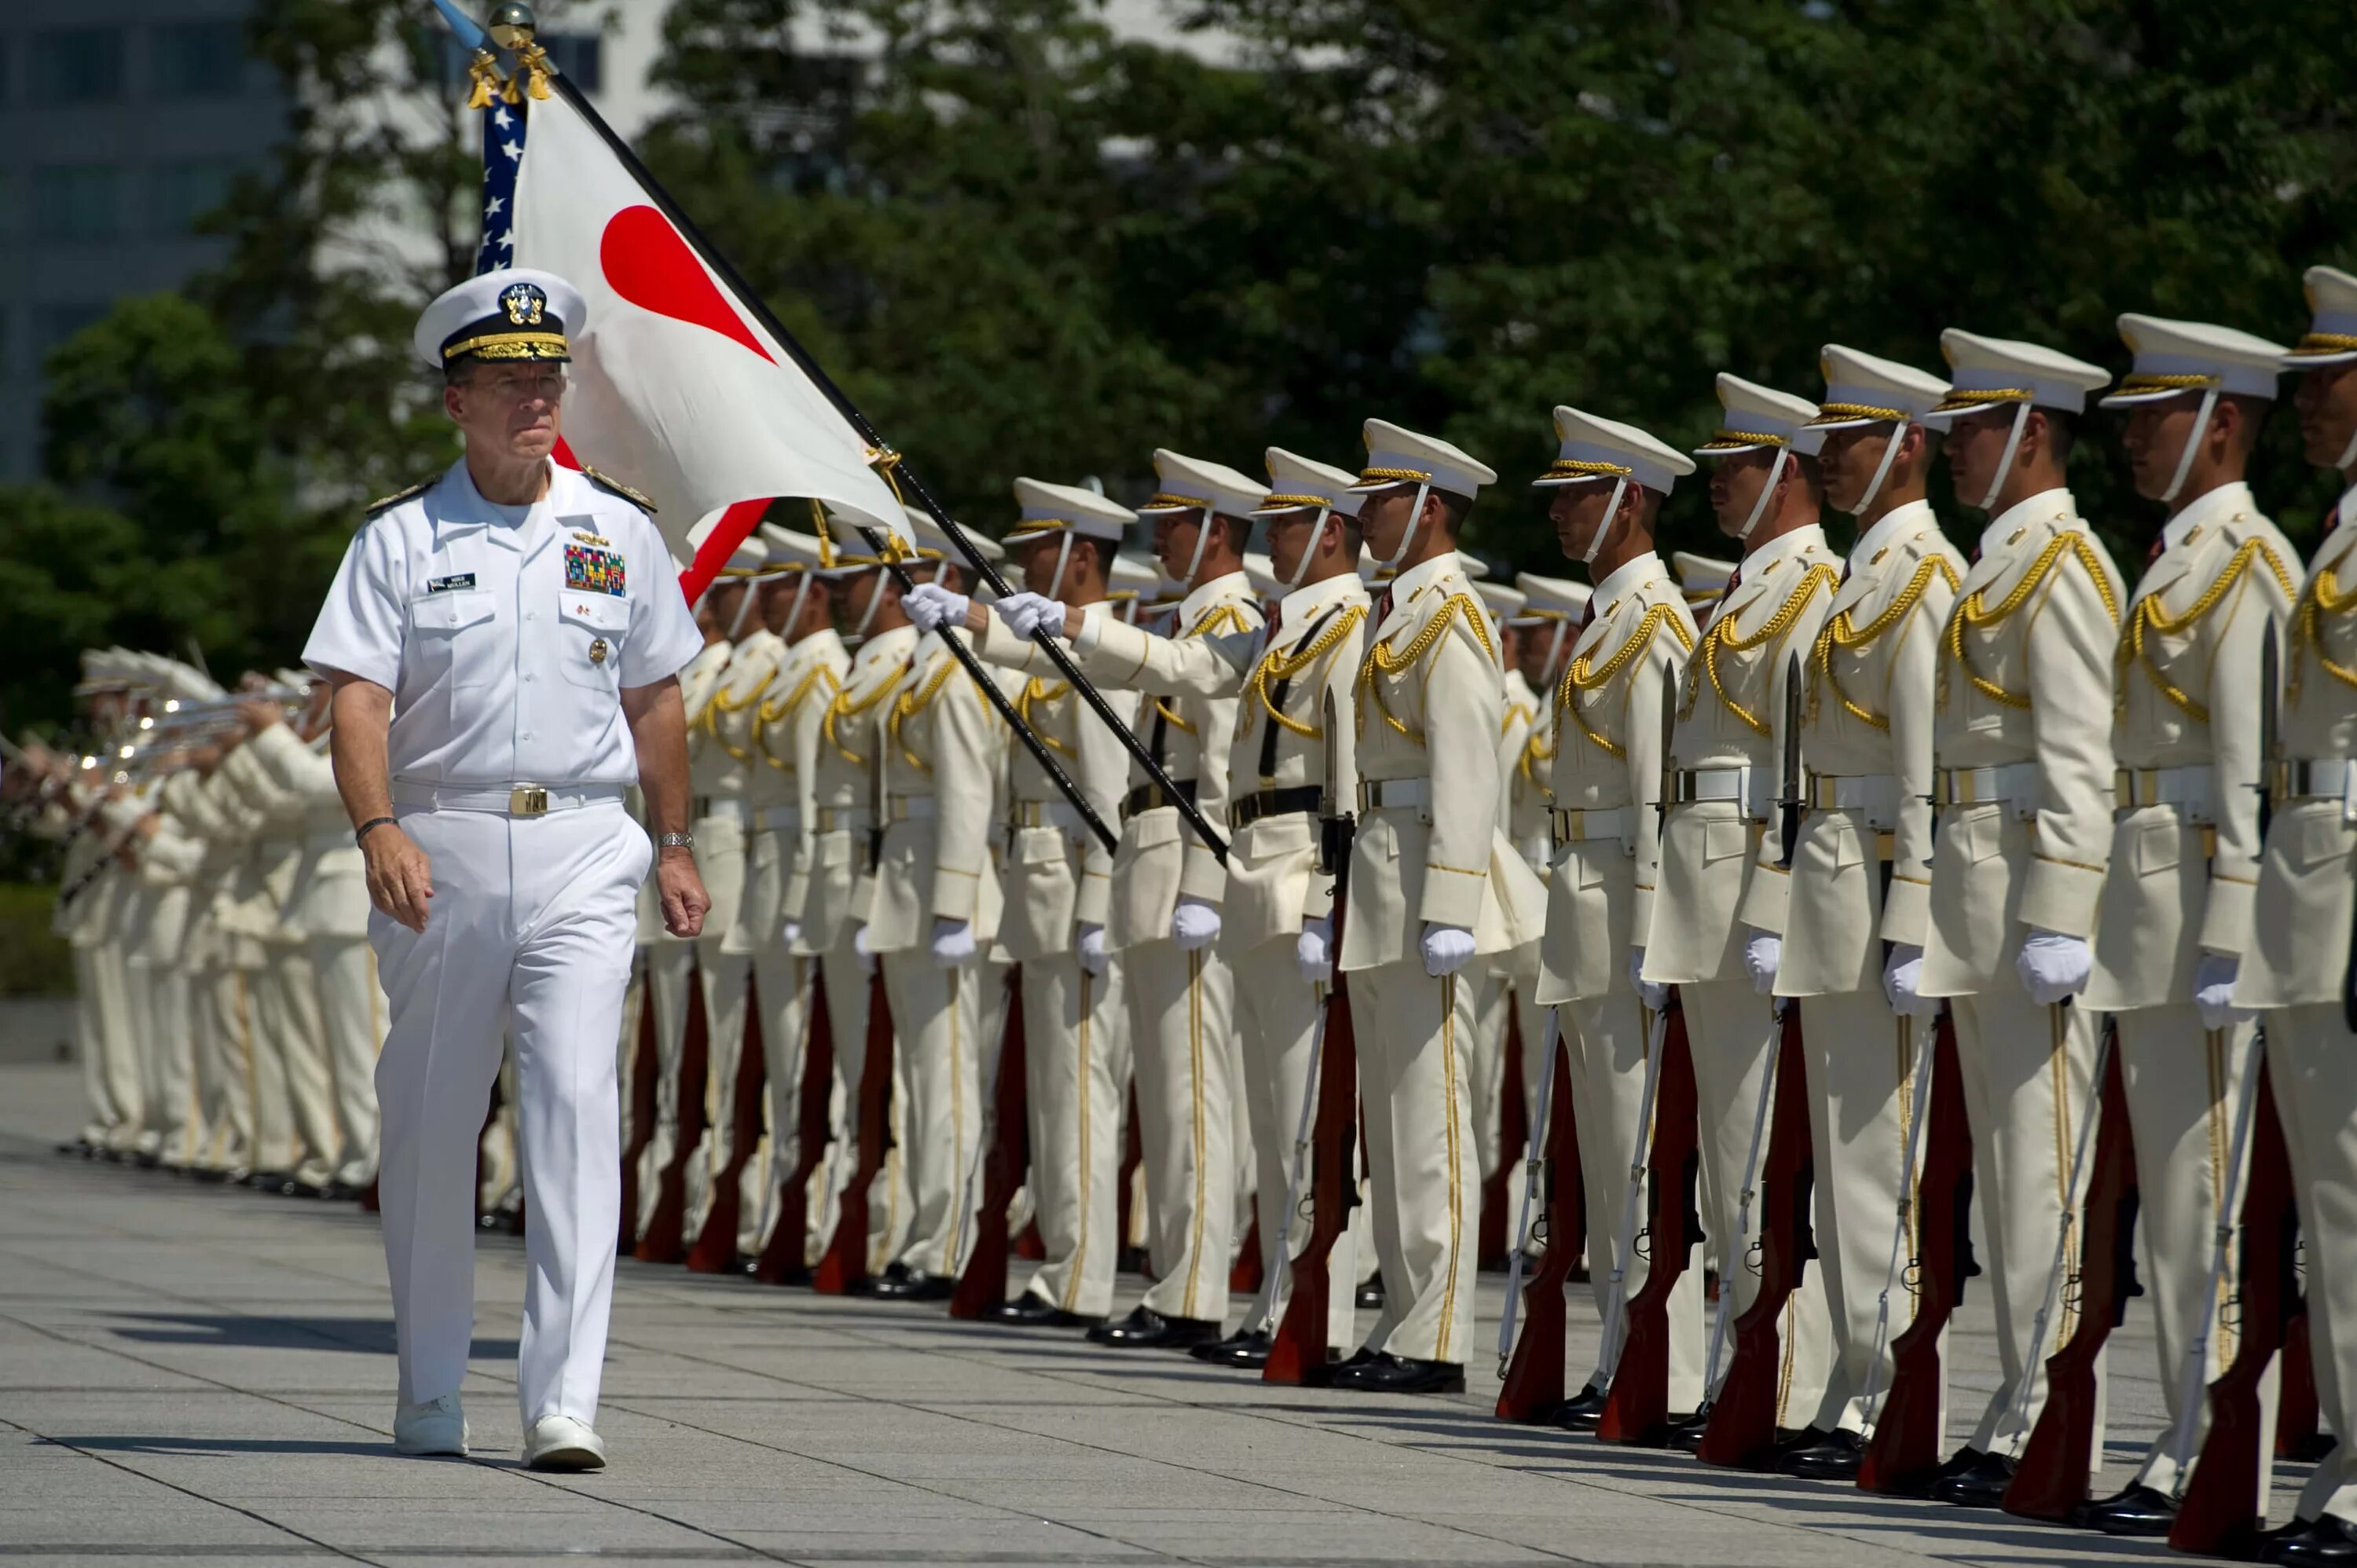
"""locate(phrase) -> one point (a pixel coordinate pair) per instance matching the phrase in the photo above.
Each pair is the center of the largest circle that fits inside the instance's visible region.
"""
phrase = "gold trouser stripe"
(1195, 1084)
(2058, 1071)
(957, 1138)
(1791, 1349)
(2213, 1043)
(1087, 1102)
(1456, 1219)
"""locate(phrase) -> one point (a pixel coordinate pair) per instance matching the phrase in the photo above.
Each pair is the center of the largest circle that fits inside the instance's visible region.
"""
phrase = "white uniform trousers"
(352, 1015)
(847, 993)
(1861, 1059)
(530, 930)
(1070, 1022)
(1608, 1037)
(118, 1047)
(2184, 1083)
(1734, 1033)
(1181, 1010)
(89, 1043)
(727, 979)
(2029, 1075)
(782, 985)
(171, 1126)
(1243, 1182)
(1277, 1021)
(1415, 1036)
(225, 1068)
(936, 1019)
(670, 967)
(2312, 1060)
(1507, 1002)
(292, 1010)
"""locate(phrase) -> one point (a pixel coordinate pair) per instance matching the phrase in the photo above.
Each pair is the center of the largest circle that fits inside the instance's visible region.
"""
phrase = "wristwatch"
(675, 841)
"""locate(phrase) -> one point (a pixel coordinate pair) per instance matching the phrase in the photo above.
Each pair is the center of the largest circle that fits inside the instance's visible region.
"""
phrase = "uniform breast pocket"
(594, 627)
(457, 635)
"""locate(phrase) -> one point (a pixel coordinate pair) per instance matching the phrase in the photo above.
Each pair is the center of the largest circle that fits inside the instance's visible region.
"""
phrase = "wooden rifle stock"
(1906, 1448)
(786, 1259)
(2052, 1474)
(715, 1252)
(1533, 1381)
(1299, 1353)
(1514, 1132)
(2222, 1512)
(845, 1266)
(982, 1284)
(1636, 1410)
(2298, 1417)
(662, 1242)
(1742, 1427)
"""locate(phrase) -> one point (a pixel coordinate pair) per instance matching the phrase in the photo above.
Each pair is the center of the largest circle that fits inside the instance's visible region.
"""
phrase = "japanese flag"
(677, 389)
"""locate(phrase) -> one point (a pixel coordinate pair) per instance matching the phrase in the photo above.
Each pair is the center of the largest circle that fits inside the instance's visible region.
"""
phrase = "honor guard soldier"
(2303, 932)
(1859, 897)
(503, 641)
(2022, 748)
(1722, 866)
(1429, 893)
(2175, 915)
(1511, 975)
(1604, 780)
(797, 609)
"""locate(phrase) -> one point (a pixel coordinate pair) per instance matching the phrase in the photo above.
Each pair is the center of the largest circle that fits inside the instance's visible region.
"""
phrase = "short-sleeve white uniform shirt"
(506, 643)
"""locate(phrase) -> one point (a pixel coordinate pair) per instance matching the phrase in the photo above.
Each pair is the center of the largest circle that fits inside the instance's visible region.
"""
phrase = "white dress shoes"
(561, 1443)
(438, 1426)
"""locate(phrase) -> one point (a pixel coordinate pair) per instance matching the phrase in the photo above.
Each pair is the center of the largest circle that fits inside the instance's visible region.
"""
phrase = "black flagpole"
(867, 433)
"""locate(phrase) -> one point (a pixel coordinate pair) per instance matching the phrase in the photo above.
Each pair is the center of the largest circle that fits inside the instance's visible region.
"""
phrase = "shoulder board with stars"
(382, 502)
(619, 488)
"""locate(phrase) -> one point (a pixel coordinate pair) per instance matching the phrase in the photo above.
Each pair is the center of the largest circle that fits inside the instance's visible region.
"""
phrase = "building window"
(198, 60)
(581, 56)
(75, 65)
(178, 194)
(77, 202)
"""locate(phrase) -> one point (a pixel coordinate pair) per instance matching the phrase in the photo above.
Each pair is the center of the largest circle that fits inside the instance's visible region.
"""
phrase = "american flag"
(503, 128)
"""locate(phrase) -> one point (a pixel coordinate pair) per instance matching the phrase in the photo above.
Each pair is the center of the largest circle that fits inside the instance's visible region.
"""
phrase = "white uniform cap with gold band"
(790, 551)
(1396, 456)
(2175, 357)
(2331, 335)
(518, 314)
(1760, 417)
(1502, 600)
(933, 539)
(1986, 372)
(1051, 508)
(1700, 576)
(1186, 484)
(1302, 484)
(1595, 449)
(1550, 598)
(1861, 389)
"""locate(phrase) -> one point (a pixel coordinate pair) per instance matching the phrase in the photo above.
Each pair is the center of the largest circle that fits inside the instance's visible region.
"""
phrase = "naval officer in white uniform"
(503, 641)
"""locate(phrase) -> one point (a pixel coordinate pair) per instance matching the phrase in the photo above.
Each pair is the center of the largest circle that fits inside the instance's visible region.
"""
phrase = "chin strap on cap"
(1882, 469)
(1301, 567)
(2192, 443)
(1611, 516)
(2004, 463)
(1759, 507)
(1414, 521)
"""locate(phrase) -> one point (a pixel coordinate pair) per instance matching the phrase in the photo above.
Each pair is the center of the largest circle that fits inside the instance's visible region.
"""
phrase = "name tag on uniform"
(592, 571)
(444, 584)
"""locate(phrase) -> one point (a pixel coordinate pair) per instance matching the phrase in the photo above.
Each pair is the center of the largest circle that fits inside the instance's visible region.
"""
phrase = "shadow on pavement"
(365, 1336)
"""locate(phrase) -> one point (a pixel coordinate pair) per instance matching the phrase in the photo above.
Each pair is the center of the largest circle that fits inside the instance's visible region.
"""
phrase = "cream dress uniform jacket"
(1506, 1000)
(1059, 881)
(2186, 738)
(1429, 704)
(217, 992)
(1293, 679)
(1719, 867)
(941, 754)
(109, 1070)
(1605, 779)
(1861, 883)
(507, 636)
(1181, 1004)
(783, 799)
(161, 998)
(2023, 746)
(2296, 968)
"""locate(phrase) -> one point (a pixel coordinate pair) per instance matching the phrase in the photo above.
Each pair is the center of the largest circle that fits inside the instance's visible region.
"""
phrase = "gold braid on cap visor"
(1276, 499)
(2326, 343)
(1031, 525)
(1842, 413)
(1725, 439)
(1395, 475)
(511, 345)
(1163, 500)
(1963, 400)
(2132, 385)
(1583, 468)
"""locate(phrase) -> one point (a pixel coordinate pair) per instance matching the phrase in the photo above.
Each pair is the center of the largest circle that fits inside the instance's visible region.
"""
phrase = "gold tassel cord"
(2322, 597)
(1587, 676)
(1381, 659)
(1722, 637)
(1970, 611)
(1277, 667)
(1039, 691)
(2150, 616)
(1838, 632)
(913, 703)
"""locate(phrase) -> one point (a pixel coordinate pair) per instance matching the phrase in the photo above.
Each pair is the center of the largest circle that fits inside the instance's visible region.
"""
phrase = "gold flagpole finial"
(513, 26)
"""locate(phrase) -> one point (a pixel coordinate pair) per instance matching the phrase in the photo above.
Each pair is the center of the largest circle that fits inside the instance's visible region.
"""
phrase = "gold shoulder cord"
(771, 713)
(1969, 612)
(2322, 597)
(915, 702)
(1039, 691)
(845, 707)
(717, 705)
(1722, 636)
(1382, 660)
(1840, 633)
(1275, 666)
(1587, 676)
(2149, 615)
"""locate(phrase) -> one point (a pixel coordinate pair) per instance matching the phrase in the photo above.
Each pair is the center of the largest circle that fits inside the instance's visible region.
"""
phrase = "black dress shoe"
(2304, 1543)
(1028, 1311)
(1371, 1294)
(1832, 1456)
(1685, 1435)
(1979, 1484)
(1582, 1411)
(914, 1285)
(1384, 1373)
(2138, 1511)
(887, 1283)
(1146, 1329)
(1247, 1348)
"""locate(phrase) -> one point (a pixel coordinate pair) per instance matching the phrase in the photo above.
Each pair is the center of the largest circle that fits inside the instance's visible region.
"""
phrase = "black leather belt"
(1262, 803)
(1146, 796)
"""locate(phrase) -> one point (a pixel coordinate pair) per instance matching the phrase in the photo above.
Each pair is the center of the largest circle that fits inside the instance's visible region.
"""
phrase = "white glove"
(952, 941)
(1446, 949)
(1092, 948)
(1762, 954)
(933, 606)
(859, 946)
(2052, 966)
(1900, 978)
(1030, 613)
(1194, 924)
(2213, 991)
(1656, 997)
(791, 932)
(1314, 950)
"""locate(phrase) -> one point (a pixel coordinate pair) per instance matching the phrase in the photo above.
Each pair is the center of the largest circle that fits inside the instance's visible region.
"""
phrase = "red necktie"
(1382, 606)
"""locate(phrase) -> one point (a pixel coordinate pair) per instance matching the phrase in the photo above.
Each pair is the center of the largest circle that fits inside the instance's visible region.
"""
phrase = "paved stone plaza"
(204, 1374)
